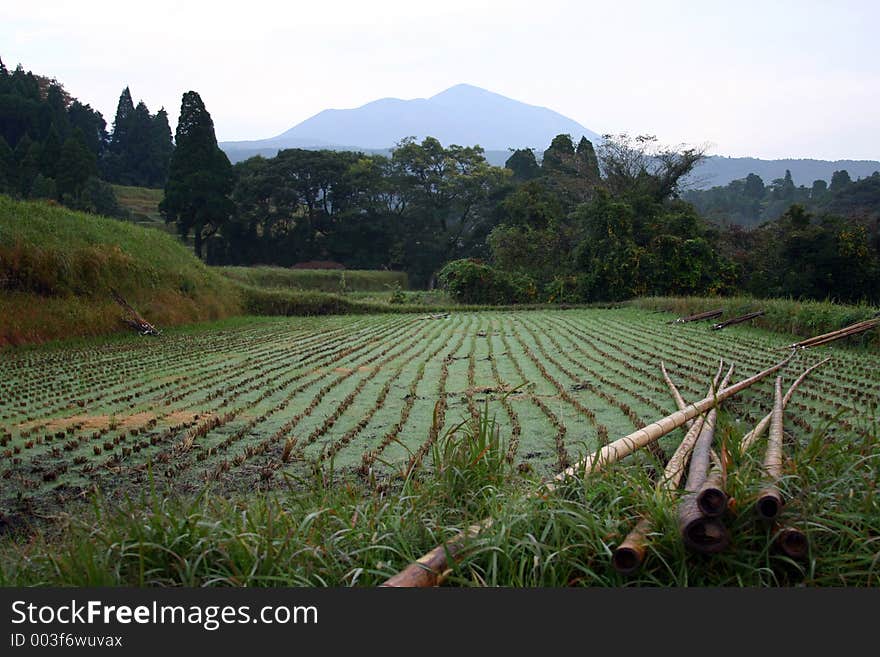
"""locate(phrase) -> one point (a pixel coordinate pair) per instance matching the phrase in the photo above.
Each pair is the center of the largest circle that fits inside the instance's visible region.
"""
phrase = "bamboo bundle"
(737, 320)
(699, 531)
(629, 555)
(709, 314)
(847, 331)
(770, 500)
(436, 561)
(761, 427)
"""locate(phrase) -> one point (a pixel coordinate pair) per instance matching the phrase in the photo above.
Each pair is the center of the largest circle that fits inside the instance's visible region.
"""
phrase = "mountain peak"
(464, 90)
(462, 114)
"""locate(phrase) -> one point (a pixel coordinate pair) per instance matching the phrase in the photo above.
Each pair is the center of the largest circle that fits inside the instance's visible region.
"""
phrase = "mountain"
(463, 114)
(468, 115)
(718, 170)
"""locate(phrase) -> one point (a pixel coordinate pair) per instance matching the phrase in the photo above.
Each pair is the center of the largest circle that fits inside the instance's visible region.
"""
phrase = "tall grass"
(337, 529)
(323, 280)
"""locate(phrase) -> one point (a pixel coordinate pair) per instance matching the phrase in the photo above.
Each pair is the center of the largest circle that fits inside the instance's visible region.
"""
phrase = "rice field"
(259, 404)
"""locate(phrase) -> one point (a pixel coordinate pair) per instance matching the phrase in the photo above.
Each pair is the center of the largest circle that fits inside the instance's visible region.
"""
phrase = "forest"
(587, 222)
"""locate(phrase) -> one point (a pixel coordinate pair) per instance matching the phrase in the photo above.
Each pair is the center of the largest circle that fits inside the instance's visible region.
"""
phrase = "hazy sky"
(767, 79)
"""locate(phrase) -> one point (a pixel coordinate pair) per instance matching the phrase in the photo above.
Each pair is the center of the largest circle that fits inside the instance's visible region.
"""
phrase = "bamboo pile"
(705, 500)
(432, 568)
(845, 332)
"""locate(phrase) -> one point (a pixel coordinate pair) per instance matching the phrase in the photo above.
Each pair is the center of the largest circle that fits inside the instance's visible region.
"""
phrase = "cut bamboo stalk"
(436, 561)
(700, 532)
(770, 500)
(711, 496)
(761, 427)
(432, 568)
(852, 329)
(792, 542)
(709, 314)
(630, 554)
(737, 320)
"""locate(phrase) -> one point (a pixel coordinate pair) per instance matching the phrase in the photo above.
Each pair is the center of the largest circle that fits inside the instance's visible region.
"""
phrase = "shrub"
(472, 281)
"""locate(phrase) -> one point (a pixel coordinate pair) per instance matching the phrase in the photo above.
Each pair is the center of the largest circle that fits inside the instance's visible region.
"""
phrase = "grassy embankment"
(790, 316)
(57, 269)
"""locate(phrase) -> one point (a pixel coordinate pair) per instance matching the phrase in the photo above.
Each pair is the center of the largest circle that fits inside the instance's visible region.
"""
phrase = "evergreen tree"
(560, 156)
(523, 164)
(116, 163)
(199, 177)
(51, 154)
(92, 124)
(161, 148)
(75, 166)
(7, 164)
(819, 189)
(754, 187)
(44, 188)
(27, 164)
(587, 163)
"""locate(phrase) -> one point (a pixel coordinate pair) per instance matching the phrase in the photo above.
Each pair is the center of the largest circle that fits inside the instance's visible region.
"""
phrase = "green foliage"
(523, 164)
(471, 281)
(200, 176)
(325, 280)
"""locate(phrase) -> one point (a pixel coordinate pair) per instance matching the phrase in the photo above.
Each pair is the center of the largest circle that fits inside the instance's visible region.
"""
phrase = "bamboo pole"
(630, 554)
(737, 320)
(436, 561)
(712, 495)
(852, 329)
(761, 427)
(699, 531)
(770, 500)
(622, 447)
(709, 314)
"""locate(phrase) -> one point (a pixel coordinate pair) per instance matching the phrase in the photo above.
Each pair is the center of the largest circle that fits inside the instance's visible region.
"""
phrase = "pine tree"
(559, 157)
(587, 162)
(161, 148)
(51, 154)
(7, 165)
(199, 177)
(523, 164)
(76, 165)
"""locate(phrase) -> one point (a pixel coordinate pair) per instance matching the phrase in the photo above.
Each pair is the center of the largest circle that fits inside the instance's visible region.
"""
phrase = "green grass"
(141, 202)
(339, 281)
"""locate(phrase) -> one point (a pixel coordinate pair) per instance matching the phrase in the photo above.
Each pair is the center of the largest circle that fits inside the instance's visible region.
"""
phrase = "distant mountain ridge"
(468, 115)
(463, 114)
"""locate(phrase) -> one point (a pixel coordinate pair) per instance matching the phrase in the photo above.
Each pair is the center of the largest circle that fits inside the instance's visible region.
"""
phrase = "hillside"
(57, 269)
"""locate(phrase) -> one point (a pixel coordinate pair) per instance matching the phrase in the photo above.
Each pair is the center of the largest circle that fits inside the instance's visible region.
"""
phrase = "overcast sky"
(766, 79)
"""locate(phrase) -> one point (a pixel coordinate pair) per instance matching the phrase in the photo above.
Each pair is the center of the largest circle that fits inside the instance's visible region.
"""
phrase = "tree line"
(54, 147)
(583, 223)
